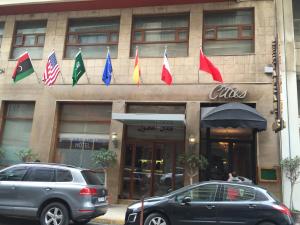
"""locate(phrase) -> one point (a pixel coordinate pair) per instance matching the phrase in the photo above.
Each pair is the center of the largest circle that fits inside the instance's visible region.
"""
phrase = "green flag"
(78, 69)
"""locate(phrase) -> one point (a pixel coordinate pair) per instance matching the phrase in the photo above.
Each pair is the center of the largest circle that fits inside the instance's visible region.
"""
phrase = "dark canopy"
(235, 115)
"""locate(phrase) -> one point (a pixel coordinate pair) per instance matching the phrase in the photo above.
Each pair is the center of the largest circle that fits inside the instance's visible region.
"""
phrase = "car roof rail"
(52, 164)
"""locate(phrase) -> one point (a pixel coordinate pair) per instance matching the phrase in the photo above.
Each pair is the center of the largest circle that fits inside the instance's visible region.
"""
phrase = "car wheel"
(156, 219)
(54, 214)
(82, 222)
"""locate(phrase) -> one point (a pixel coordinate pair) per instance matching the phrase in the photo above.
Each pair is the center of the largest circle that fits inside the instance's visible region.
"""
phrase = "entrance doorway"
(229, 150)
(151, 168)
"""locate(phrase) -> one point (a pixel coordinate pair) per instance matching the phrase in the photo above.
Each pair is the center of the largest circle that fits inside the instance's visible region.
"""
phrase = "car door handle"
(13, 188)
(210, 206)
(48, 189)
(252, 206)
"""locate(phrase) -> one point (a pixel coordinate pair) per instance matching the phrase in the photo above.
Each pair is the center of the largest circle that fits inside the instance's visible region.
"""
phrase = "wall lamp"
(114, 139)
(192, 140)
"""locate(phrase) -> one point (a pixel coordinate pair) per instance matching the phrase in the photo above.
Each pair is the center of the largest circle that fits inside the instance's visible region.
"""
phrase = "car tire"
(82, 222)
(54, 211)
(156, 219)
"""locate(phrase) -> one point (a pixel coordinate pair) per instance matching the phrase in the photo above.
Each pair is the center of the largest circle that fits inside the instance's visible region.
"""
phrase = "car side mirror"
(186, 200)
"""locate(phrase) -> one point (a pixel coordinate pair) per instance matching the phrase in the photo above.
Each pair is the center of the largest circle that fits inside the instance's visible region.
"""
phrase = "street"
(17, 221)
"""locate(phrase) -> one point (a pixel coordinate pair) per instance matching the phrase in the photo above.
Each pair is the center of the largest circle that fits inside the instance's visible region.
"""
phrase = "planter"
(296, 216)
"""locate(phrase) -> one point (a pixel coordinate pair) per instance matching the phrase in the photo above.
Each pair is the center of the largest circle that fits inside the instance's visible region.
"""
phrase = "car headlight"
(131, 217)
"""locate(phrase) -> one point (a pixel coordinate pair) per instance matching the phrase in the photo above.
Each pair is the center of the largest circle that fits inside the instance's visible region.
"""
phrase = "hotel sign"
(227, 92)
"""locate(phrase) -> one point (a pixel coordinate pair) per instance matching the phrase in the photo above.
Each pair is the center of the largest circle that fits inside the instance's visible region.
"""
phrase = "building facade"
(148, 125)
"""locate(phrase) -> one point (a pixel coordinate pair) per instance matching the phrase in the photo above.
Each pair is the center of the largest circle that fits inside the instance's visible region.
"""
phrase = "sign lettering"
(227, 92)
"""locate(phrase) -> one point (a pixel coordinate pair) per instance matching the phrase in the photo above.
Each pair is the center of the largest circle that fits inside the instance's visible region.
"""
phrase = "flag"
(24, 67)
(78, 69)
(207, 66)
(137, 70)
(166, 75)
(52, 70)
(107, 73)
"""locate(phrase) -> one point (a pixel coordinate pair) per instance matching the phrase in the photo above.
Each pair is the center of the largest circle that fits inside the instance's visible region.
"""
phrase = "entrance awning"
(148, 119)
(235, 115)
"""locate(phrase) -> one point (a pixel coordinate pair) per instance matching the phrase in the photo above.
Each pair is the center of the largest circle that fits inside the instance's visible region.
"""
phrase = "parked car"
(212, 202)
(52, 193)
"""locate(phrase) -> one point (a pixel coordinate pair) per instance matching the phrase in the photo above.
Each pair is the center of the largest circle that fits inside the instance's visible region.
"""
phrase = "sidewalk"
(115, 215)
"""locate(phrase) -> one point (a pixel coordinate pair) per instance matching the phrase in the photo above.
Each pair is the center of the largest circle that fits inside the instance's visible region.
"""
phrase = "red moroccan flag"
(207, 66)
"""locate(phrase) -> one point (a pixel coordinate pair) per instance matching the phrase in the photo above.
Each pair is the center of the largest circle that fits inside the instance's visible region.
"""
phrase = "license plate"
(101, 199)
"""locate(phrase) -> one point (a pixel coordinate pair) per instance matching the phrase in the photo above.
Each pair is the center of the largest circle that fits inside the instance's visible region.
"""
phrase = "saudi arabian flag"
(24, 67)
(78, 69)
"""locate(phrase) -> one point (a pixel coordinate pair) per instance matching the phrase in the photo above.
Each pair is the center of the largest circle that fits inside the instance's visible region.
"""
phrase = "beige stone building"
(152, 123)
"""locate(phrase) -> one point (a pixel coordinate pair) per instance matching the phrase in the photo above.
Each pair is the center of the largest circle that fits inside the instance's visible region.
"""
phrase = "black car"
(212, 203)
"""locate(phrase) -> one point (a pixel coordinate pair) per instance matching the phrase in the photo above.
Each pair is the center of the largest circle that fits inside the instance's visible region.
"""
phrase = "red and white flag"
(52, 70)
(166, 75)
(207, 66)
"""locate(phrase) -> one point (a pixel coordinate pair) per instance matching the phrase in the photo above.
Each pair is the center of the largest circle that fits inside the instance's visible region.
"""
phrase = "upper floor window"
(93, 36)
(1, 32)
(296, 13)
(29, 36)
(153, 33)
(228, 32)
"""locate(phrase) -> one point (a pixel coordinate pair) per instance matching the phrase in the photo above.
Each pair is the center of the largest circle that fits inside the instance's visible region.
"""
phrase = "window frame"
(143, 31)
(36, 35)
(238, 26)
(77, 34)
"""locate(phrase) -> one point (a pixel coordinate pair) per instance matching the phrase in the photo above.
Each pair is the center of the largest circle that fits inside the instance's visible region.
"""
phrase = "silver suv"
(53, 193)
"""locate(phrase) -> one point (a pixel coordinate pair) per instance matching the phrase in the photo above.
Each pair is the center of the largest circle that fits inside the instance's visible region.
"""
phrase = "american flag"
(52, 70)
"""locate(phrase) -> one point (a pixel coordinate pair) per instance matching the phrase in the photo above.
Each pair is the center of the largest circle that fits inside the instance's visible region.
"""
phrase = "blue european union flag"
(107, 73)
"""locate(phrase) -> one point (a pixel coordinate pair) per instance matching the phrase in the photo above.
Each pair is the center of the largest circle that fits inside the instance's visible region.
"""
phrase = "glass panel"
(127, 172)
(247, 32)
(19, 40)
(63, 176)
(228, 47)
(161, 22)
(157, 50)
(92, 25)
(242, 152)
(179, 169)
(238, 193)
(72, 39)
(20, 110)
(229, 18)
(163, 168)
(114, 37)
(1, 28)
(227, 33)
(41, 40)
(297, 29)
(93, 38)
(34, 52)
(141, 173)
(203, 193)
(218, 161)
(159, 36)
(162, 109)
(41, 175)
(13, 174)
(31, 27)
(183, 36)
(29, 40)
(0, 40)
(92, 52)
(138, 36)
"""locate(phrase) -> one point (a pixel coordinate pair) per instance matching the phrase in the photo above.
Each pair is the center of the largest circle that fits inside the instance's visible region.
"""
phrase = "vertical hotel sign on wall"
(279, 123)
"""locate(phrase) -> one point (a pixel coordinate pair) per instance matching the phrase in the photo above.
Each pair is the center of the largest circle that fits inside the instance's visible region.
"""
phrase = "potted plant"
(26, 155)
(105, 158)
(291, 167)
(193, 162)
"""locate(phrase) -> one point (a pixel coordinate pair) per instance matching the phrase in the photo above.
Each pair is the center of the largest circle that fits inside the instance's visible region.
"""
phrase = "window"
(238, 193)
(151, 34)
(203, 193)
(1, 32)
(41, 174)
(17, 117)
(13, 174)
(296, 13)
(229, 32)
(91, 178)
(29, 36)
(93, 36)
(83, 130)
(63, 176)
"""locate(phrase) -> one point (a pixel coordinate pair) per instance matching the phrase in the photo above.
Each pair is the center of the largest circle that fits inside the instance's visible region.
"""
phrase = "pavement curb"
(109, 221)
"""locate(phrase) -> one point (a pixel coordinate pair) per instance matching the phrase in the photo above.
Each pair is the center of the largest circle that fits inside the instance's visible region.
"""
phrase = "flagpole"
(87, 77)
(140, 75)
(166, 51)
(37, 77)
(113, 71)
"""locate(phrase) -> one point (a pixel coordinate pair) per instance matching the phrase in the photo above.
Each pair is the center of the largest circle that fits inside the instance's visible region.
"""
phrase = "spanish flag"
(137, 70)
